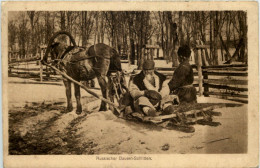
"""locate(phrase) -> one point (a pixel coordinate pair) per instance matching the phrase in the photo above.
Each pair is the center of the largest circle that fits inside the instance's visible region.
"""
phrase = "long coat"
(140, 83)
(181, 83)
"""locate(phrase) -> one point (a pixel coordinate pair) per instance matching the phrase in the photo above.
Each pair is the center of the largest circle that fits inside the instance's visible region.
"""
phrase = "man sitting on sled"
(150, 91)
(182, 79)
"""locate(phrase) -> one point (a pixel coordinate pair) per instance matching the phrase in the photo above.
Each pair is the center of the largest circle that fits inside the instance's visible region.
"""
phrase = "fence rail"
(30, 59)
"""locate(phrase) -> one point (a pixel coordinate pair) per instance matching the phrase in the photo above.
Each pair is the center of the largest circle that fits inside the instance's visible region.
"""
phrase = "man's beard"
(150, 78)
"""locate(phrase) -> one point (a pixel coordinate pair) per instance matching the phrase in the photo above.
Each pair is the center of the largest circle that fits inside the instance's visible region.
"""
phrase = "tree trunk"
(215, 47)
(131, 38)
(33, 44)
(63, 24)
(181, 36)
(211, 35)
(243, 29)
(83, 28)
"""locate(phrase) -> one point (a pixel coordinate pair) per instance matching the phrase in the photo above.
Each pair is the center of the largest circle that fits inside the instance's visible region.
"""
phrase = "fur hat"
(148, 65)
(184, 51)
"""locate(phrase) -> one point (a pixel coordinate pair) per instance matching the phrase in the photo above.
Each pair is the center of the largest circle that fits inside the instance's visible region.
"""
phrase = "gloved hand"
(153, 96)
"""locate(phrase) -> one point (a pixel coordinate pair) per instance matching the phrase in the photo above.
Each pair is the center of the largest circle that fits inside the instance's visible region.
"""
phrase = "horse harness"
(60, 62)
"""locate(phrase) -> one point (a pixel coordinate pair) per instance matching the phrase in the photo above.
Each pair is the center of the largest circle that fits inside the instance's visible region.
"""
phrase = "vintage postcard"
(130, 84)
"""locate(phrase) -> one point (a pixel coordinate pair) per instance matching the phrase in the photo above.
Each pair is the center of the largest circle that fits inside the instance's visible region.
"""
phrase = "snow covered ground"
(96, 132)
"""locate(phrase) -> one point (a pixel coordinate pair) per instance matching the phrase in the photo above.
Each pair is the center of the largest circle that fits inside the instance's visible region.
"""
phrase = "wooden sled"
(182, 119)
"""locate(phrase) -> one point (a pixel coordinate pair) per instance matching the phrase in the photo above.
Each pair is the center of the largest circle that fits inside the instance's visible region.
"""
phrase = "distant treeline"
(130, 31)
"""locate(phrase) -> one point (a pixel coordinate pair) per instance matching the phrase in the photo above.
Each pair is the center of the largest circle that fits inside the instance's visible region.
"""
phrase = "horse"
(83, 64)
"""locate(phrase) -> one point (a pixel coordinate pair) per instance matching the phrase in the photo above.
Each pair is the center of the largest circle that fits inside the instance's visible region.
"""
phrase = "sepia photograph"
(127, 85)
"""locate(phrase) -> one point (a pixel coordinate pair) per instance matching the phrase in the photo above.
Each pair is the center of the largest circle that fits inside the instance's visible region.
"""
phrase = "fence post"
(205, 85)
(200, 73)
(41, 67)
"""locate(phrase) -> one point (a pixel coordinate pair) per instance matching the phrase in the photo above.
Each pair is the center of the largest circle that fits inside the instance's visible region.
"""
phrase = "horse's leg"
(77, 95)
(103, 85)
(68, 95)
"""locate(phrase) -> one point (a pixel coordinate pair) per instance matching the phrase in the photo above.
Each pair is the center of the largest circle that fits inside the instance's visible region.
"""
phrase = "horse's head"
(57, 49)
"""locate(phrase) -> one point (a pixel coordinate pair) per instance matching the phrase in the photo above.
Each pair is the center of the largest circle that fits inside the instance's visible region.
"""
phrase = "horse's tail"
(52, 40)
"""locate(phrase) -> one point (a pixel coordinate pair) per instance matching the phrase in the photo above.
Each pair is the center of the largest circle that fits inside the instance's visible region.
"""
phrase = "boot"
(169, 110)
(149, 111)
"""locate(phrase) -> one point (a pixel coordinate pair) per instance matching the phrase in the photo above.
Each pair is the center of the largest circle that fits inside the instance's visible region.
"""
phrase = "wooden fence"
(224, 81)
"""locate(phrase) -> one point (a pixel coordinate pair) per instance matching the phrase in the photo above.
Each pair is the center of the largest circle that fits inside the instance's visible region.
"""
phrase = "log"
(225, 82)
(41, 67)
(200, 75)
(227, 87)
(147, 46)
(229, 68)
(40, 83)
(35, 58)
(167, 72)
(35, 73)
(26, 69)
(124, 61)
(198, 46)
(22, 63)
(85, 88)
(224, 73)
(227, 94)
(224, 66)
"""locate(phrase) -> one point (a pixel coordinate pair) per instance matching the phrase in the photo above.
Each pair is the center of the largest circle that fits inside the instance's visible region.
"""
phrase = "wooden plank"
(32, 73)
(22, 63)
(200, 75)
(148, 46)
(227, 87)
(45, 83)
(26, 69)
(35, 58)
(172, 68)
(165, 69)
(228, 94)
(41, 67)
(223, 66)
(124, 61)
(225, 73)
(230, 68)
(135, 72)
(198, 46)
(225, 82)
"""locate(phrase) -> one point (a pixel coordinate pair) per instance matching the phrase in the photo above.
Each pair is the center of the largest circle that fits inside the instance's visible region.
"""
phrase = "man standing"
(150, 91)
